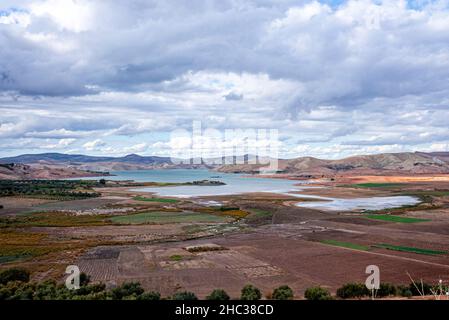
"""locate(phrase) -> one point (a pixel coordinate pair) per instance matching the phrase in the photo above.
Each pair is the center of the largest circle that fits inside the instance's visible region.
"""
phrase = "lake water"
(238, 184)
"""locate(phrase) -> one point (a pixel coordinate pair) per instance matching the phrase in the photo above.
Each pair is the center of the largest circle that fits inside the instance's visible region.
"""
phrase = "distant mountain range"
(79, 158)
(61, 165)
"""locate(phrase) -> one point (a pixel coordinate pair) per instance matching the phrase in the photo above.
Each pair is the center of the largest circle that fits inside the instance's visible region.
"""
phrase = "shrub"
(352, 290)
(84, 279)
(151, 295)
(404, 291)
(249, 292)
(218, 294)
(14, 274)
(386, 289)
(282, 293)
(184, 295)
(127, 289)
(317, 293)
(423, 288)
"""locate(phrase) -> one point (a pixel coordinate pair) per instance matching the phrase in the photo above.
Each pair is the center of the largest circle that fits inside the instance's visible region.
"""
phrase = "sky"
(335, 78)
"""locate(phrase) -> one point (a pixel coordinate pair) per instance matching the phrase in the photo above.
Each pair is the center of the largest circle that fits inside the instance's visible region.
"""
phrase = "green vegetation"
(317, 293)
(14, 274)
(126, 290)
(14, 257)
(219, 295)
(386, 290)
(359, 290)
(163, 200)
(15, 285)
(50, 189)
(184, 295)
(409, 249)
(176, 257)
(53, 219)
(166, 217)
(282, 293)
(345, 245)
(20, 289)
(250, 292)
(390, 218)
(353, 290)
(259, 213)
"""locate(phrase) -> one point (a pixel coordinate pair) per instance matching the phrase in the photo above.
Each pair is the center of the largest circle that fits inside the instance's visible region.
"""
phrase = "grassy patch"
(390, 218)
(53, 219)
(345, 245)
(164, 200)
(259, 213)
(166, 217)
(409, 249)
(176, 257)
(14, 258)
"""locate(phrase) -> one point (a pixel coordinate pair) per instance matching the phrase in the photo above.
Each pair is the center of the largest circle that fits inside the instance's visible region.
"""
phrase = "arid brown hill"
(385, 163)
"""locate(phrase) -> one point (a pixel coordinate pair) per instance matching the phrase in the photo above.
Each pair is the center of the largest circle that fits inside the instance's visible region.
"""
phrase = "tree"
(353, 290)
(282, 293)
(102, 181)
(127, 289)
(151, 295)
(14, 274)
(249, 292)
(317, 293)
(218, 294)
(184, 295)
(84, 279)
(386, 289)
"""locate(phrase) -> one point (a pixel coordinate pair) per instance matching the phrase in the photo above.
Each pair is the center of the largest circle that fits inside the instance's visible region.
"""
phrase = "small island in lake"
(206, 183)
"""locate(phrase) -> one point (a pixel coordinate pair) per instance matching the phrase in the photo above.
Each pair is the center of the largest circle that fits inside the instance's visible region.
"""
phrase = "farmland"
(169, 244)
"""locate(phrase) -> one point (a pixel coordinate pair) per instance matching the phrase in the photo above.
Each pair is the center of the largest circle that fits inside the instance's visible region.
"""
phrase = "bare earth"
(284, 247)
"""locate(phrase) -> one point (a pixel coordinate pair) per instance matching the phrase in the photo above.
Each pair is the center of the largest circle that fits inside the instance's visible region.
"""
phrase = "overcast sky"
(336, 78)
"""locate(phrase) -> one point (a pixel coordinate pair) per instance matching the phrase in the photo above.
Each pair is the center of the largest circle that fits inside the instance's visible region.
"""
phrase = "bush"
(218, 294)
(184, 295)
(14, 274)
(84, 279)
(249, 292)
(404, 291)
(317, 293)
(152, 295)
(127, 289)
(386, 289)
(353, 290)
(282, 293)
(424, 287)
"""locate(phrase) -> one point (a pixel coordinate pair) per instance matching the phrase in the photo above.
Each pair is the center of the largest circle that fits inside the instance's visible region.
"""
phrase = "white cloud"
(94, 145)
(357, 77)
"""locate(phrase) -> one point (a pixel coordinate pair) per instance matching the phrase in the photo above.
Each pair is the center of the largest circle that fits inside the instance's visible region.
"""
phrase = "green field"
(167, 217)
(259, 213)
(164, 200)
(345, 245)
(409, 249)
(390, 218)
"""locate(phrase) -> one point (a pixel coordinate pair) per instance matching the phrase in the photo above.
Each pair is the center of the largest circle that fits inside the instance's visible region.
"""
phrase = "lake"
(239, 183)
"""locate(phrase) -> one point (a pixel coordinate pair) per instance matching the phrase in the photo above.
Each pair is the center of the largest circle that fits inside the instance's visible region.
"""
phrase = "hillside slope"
(410, 163)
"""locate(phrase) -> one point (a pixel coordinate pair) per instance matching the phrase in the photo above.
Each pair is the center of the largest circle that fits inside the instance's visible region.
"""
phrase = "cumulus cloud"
(342, 77)
(94, 145)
